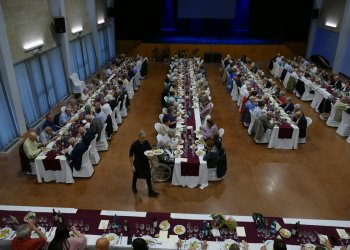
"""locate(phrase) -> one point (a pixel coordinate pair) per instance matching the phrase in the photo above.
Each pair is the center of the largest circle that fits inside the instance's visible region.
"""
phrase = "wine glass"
(70, 223)
(81, 223)
(40, 219)
(231, 232)
(152, 230)
(148, 227)
(75, 223)
(313, 238)
(142, 227)
(195, 229)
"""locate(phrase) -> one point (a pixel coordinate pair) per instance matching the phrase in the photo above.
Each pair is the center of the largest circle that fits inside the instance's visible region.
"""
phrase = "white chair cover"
(308, 122)
(348, 140)
(124, 110)
(344, 127)
(102, 144)
(330, 121)
(221, 132)
(252, 120)
(114, 121)
(307, 96)
(212, 176)
(78, 85)
(156, 127)
(119, 116)
(161, 116)
(130, 90)
(86, 167)
(94, 156)
(265, 139)
(137, 80)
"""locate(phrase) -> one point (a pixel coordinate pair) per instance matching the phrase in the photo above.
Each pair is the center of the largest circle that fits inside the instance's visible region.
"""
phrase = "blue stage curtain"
(89, 55)
(77, 58)
(103, 45)
(9, 128)
(111, 42)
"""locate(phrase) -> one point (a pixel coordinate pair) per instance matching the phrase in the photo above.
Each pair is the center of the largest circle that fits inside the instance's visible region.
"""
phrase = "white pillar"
(91, 8)
(344, 36)
(57, 10)
(313, 29)
(9, 76)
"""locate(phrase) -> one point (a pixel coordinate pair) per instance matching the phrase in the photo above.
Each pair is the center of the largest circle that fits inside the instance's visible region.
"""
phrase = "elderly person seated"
(31, 147)
(301, 122)
(265, 120)
(101, 116)
(282, 98)
(24, 241)
(46, 135)
(102, 244)
(278, 244)
(84, 95)
(340, 106)
(235, 246)
(49, 122)
(63, 240)
(250, 104)
(288, 107)
(257, 112)
(211, 129)
(139, 244)
(76, 154)
(212, 155)
(169, 115)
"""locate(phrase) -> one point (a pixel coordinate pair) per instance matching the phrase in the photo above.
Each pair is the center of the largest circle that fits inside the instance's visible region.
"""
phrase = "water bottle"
(273, 227)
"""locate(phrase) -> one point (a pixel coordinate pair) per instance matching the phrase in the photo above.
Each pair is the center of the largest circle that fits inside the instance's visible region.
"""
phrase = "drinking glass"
(81, 223)
(142, 227)
(40, 219)
(188, 225)
(70, 223)
(313, 238)
(75, 223)
(152, 230)
(235, 236)
(137, 228)
(231, 232)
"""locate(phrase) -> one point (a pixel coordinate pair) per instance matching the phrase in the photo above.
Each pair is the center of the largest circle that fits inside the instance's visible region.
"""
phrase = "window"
(103, 44)
(42, 84)
(111, 42)
(83, 56)
(9, 128)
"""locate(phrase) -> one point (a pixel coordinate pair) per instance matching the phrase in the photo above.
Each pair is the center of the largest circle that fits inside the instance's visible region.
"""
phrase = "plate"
(149, 239)
(179, 229)
(112, 238)
(35, 235)
(309, 246)
(269, 244)
(149, 153)
(227, 243)
(164, 225)
(285, 233)
(200, 152)
(158, 151)
(5, 232)
(178, 152)
(29, 215)
(180, 141)
(198, 142)
(193, 243)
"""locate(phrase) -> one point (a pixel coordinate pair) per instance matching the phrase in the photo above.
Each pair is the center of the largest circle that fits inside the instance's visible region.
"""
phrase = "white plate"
(112, 238)
(309, 246)
(149, 153)
(179, 229)
(164, 225)
(178, 152)
(193, 243)
(35, 235)
(5, 232)
(285, 233)
(269, 244)
(158, 151)
(149, 239)
(200, 152)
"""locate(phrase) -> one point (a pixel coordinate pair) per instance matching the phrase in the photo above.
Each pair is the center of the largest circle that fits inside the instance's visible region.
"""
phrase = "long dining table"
(97, 223)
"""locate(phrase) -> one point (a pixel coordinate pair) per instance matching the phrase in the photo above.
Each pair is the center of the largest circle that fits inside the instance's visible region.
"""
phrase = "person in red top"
(23, 241)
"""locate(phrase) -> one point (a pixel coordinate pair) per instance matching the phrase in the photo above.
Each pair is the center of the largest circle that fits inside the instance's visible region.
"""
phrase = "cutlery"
(120, 239)
(50, 231)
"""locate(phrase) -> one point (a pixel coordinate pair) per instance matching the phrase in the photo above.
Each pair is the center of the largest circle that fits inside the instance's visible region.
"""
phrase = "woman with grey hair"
(23, 240)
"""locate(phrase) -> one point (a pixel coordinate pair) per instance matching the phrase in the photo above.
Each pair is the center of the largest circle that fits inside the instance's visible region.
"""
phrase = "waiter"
(139, 163)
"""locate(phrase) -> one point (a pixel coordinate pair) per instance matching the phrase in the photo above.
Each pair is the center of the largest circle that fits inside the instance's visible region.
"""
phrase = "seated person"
(46, 135)
(340, 106)
(49, 122)
(235, 246)
(211, 129)
(84, 95)
(250, 104)
(212, 155)
(217, 141)
(75, 157)
(265, 120)
(169, 115)
(282, 98)
(206, 109)
(288, 107)
(278, 244)
(95, 127)
(24, 241)
(62, 239)
(139, 244)
(102, 244)
(65, 116)
(31, 147)
(257, 112)
(301, 123)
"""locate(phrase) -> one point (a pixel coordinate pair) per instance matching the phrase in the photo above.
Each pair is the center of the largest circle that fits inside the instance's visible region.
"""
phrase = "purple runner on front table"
(285, 131)
(51, 163)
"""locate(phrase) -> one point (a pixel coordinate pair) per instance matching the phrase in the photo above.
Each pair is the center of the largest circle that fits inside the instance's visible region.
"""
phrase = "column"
(9, 76)
(344, 36)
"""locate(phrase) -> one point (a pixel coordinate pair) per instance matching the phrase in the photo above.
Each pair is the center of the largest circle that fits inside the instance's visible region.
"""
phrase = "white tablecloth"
(320, 93)
(276, 142)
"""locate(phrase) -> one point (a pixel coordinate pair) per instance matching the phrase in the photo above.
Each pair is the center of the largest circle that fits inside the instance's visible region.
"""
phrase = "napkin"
(103, 224)
(173, 238)
(163, 234)
(183, 159)
(343, 234)
(322, 238)
(215, 232)
(240, 232)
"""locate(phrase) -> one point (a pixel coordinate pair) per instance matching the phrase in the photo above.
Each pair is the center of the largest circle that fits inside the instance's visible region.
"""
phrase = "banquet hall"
(51, 50)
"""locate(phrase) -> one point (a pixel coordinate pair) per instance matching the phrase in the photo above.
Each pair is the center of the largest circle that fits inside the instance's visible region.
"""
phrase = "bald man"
(31, 147)
(102, 244)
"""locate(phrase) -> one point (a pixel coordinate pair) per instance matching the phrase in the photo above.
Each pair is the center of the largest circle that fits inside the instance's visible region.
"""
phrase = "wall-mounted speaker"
(315, 13)
(60, 25)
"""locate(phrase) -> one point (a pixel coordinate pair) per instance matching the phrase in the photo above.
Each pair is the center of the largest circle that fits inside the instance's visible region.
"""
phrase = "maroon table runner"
(285, 131)
(93, 218)
(191, 167)
(50, 163)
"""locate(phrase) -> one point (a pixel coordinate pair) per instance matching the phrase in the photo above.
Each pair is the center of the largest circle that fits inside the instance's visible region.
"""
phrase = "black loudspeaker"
(60, 25)
(315, 13)
(110, 12)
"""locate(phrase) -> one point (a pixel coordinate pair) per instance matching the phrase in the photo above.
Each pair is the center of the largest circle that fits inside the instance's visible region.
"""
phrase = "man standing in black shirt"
(140, 164)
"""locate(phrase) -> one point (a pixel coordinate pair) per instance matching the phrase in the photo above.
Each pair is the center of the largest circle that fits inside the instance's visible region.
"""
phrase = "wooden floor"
(311, 182)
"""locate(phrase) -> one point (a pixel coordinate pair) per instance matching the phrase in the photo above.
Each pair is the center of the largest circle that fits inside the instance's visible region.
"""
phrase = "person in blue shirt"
(49, 122)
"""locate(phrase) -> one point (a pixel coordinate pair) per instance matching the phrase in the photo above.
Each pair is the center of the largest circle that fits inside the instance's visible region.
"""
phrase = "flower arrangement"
(219, 221)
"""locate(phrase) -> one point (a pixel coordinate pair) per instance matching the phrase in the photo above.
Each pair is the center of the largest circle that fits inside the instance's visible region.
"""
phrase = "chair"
(205, 121)
(344, 127)
(348, 140)
(137, 80)
(114, 121)
(221, 132)
(156, 127)
(252, 120)
(26, 165)
(212, 175)
(78, 85)
(308, 122)
(159, 138)
(161, 116)
(124, 110)
(94, 156)
(330, 121)
(130, 90)
(86, 167)
(56, 119)
(265, 139)
(119, 117)
(102, 144)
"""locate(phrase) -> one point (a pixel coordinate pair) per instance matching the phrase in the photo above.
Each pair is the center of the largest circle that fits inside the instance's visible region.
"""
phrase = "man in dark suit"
(288, 106)
(95, 127)
(75, 157)
(301, 122)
